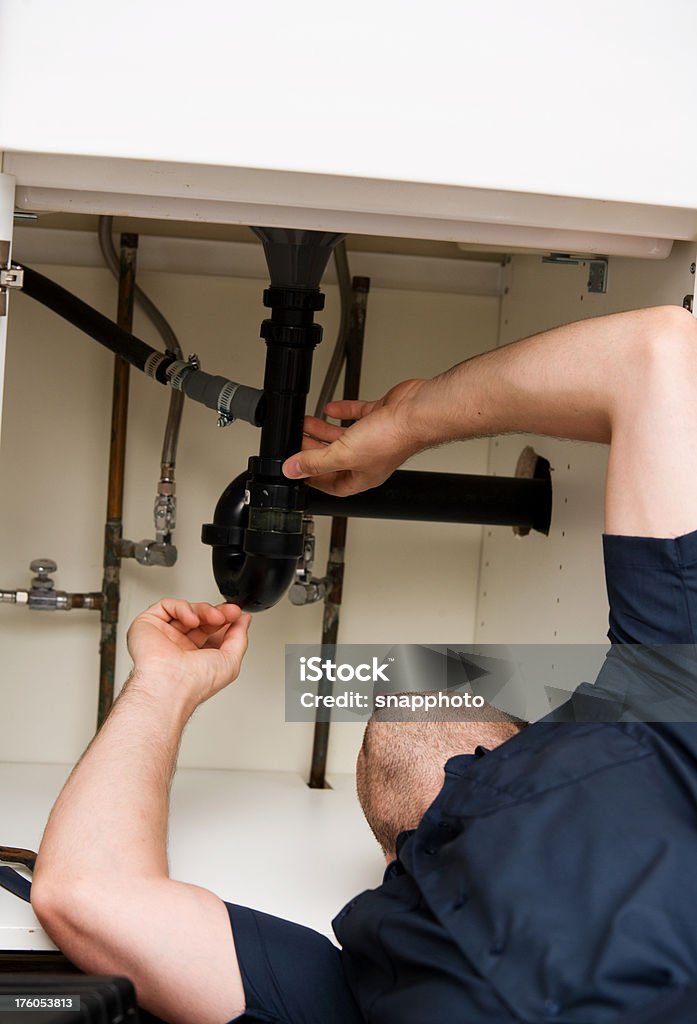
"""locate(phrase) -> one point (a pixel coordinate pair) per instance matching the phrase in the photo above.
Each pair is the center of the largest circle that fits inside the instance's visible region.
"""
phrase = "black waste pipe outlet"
(256, 532)
(448, 498)
(406, 495)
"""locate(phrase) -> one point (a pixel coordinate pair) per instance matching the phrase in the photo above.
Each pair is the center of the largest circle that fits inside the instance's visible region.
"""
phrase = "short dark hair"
(400, 765)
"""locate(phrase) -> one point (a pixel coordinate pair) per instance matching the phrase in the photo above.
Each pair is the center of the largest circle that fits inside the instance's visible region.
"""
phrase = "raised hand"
(193, 649)
(345, 460)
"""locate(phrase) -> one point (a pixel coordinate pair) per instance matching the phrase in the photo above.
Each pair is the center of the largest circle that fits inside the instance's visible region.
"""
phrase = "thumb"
(234, 644)
(317, 461)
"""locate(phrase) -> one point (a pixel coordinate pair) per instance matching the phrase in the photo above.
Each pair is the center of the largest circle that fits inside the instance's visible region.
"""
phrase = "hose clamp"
(152, 363)
(179, 370)
(11, 277)
(227, 393)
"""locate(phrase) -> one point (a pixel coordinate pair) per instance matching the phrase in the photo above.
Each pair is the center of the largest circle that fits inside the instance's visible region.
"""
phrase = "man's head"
(400, 765)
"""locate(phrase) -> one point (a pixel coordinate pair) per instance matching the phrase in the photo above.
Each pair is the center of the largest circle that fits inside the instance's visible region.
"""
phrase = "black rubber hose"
(225, 396)
(87, 319)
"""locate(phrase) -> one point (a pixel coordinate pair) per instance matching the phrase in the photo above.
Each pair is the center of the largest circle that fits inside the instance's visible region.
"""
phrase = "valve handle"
(43, 566)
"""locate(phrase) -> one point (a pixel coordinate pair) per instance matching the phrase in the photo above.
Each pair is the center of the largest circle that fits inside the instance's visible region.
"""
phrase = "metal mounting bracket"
(597, 275)
(597, 268)
(10, 277)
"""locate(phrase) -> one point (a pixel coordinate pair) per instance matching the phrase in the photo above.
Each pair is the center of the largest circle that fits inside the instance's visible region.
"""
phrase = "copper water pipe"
(113, 530)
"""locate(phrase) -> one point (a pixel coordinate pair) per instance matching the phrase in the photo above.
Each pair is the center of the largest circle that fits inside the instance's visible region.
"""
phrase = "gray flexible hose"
(336, 362)
(166, 332)
(307, 589)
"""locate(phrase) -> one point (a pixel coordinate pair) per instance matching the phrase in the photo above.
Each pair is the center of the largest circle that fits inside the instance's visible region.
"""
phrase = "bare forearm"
(572, 382)
(111, 818)
(101, 888)
(562, 383)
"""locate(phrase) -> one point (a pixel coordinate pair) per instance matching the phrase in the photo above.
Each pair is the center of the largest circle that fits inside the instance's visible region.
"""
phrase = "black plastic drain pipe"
(257, 529)
(448, 498)
(406, 495)
(256, 533)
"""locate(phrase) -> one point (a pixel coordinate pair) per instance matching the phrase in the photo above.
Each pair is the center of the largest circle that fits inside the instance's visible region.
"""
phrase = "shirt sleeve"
(291, 974)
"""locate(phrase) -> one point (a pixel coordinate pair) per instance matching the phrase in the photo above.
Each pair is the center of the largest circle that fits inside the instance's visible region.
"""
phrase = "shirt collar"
(455, 767)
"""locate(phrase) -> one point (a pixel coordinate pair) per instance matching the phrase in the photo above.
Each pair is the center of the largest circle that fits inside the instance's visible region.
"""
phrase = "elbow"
(668, 331)
(46, 901)
(84, 917)
(53, 906)
(67, 910)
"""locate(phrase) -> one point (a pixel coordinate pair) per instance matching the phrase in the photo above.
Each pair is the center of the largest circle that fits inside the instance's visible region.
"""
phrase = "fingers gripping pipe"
(257, 530)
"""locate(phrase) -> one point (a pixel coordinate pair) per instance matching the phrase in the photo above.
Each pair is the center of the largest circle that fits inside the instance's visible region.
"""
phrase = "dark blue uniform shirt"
(553, 879)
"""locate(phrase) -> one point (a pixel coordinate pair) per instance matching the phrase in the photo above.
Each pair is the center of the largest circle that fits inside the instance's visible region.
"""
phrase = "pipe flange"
(292, 298)
(289, 334)
(222, 536)
(264, 465)
(285, 546)
(531, 466)
(286, 494)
